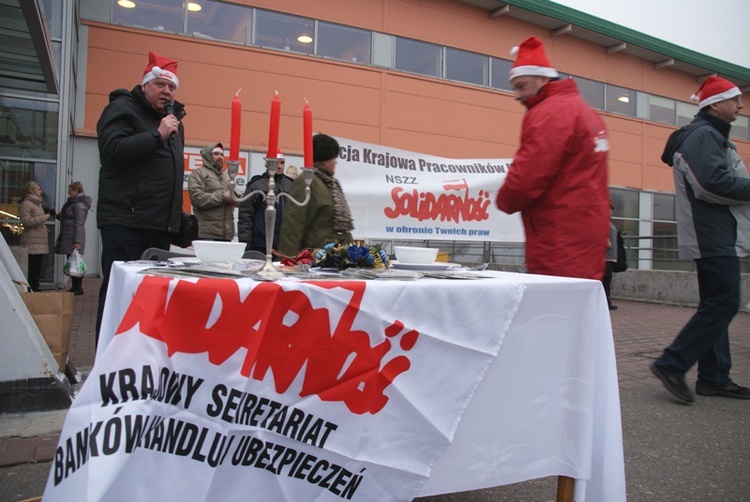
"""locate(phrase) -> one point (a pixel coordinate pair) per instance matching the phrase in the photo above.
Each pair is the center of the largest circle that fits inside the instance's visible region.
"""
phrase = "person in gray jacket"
(72, 235)
(208, 186)
(712, 189)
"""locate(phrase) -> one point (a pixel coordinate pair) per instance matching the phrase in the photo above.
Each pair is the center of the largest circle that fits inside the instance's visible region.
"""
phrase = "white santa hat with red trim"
(713, 90)
(531, 60)
(160, 67)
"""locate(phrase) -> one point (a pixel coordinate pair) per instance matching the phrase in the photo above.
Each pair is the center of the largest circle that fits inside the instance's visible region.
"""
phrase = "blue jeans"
(124, 244)
(705, 338)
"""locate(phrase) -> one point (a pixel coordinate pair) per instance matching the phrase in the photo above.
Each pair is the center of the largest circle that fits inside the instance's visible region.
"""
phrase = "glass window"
(500, 70)
(685, 113)
(620, 100)
(740, 127)
(28, 128)
(341, 42)
(53, 14)
(418, 57)
(285, 32)
(218, 20)
(626, 203)
(592, 92)
(664, 207)
(163, 15)
(662, 110)
(57, 54)
(383, 50)
(14, 174)
(464, 66)
(664, 253)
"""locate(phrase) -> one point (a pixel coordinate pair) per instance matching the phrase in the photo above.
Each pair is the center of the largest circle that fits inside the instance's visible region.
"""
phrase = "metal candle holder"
(269, 272)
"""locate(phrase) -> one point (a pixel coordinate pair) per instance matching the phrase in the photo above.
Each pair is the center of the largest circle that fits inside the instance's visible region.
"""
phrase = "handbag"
(75, 266)
(188, 231)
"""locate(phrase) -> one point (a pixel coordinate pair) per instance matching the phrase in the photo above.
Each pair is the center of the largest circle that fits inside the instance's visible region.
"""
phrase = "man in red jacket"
(558, 179)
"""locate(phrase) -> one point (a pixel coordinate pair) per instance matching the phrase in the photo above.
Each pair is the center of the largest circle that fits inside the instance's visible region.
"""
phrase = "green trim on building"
(613, 30)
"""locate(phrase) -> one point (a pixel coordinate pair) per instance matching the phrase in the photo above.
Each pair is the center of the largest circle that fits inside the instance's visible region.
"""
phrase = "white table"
(548, 404)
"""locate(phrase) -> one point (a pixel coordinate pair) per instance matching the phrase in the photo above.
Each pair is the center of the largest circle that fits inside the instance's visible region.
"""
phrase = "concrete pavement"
(673, 451)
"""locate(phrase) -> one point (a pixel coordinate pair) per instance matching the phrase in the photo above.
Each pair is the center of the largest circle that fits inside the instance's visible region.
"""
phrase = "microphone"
(169, 108)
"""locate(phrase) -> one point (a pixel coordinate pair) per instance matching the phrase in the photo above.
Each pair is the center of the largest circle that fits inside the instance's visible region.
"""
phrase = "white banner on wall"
(402, 195)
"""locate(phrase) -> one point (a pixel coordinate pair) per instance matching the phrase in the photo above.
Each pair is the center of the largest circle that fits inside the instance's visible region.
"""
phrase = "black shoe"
(612, 306)
(729, 390)
(76, 292)
(675, 385)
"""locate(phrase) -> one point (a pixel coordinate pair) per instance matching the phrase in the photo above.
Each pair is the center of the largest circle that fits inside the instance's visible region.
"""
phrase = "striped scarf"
(342, 218)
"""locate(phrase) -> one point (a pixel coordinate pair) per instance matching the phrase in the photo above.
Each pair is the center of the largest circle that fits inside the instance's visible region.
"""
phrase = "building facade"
(426, 76)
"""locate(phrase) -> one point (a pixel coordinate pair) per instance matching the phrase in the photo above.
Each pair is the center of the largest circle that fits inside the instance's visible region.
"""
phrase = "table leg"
(565, 486)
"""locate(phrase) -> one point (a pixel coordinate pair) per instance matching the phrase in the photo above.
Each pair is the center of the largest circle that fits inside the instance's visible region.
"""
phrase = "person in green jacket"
(326, 217)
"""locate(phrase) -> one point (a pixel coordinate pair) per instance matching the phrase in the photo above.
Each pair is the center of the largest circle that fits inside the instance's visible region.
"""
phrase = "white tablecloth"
(548, 404)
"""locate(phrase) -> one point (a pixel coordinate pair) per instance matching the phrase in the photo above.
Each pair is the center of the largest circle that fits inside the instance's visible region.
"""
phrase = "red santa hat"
(531, 60)
(160, 67)
(713, 90)
(219, 148)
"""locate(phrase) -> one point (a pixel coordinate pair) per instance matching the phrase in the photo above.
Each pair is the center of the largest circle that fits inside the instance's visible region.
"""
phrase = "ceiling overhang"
(26, 56)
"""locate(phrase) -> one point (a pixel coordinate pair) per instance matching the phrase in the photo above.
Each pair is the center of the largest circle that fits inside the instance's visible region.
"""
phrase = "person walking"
(208, 187)
(141, 144)
(558, 179)
(712, 190)
(35, 235)
(251, 224)
(72, 235)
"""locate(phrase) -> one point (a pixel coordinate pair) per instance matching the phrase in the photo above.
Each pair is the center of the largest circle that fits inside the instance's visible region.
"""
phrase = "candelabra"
(269, 272)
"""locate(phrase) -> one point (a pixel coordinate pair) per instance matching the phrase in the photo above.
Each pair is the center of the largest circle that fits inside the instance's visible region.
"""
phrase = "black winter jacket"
(141, 175)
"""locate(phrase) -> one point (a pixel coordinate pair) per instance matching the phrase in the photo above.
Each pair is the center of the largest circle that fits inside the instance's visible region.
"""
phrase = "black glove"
(50, 211)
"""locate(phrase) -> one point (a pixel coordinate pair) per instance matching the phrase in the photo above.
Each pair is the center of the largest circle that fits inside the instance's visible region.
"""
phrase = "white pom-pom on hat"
(514, 51)
(695, 98)
(156, 71)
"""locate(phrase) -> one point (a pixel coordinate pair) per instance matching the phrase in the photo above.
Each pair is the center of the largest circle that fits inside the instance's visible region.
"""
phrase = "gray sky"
(715, 28)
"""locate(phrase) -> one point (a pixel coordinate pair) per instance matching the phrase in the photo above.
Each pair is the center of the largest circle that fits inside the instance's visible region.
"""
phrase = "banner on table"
(216, 389)
(401, 195)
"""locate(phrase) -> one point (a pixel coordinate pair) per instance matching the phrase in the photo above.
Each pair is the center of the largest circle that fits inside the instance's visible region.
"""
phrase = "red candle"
(307, 133)
(273, 130)
(234, 138)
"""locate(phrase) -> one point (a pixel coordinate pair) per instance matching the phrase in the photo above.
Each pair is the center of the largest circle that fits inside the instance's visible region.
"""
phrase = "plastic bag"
(75, 266)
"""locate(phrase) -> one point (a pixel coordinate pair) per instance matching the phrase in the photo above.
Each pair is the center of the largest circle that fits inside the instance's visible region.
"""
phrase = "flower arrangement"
(342, 256)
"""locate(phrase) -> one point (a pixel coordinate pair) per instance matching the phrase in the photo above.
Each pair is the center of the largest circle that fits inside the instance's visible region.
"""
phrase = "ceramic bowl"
(405, 254)
(217, 251)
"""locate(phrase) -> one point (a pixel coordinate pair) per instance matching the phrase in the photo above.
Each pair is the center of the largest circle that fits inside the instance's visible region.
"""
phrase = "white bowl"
(217, 251)
(406, 254)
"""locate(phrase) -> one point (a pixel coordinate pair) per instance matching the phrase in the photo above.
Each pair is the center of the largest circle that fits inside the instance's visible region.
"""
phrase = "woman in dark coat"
(72, 236)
